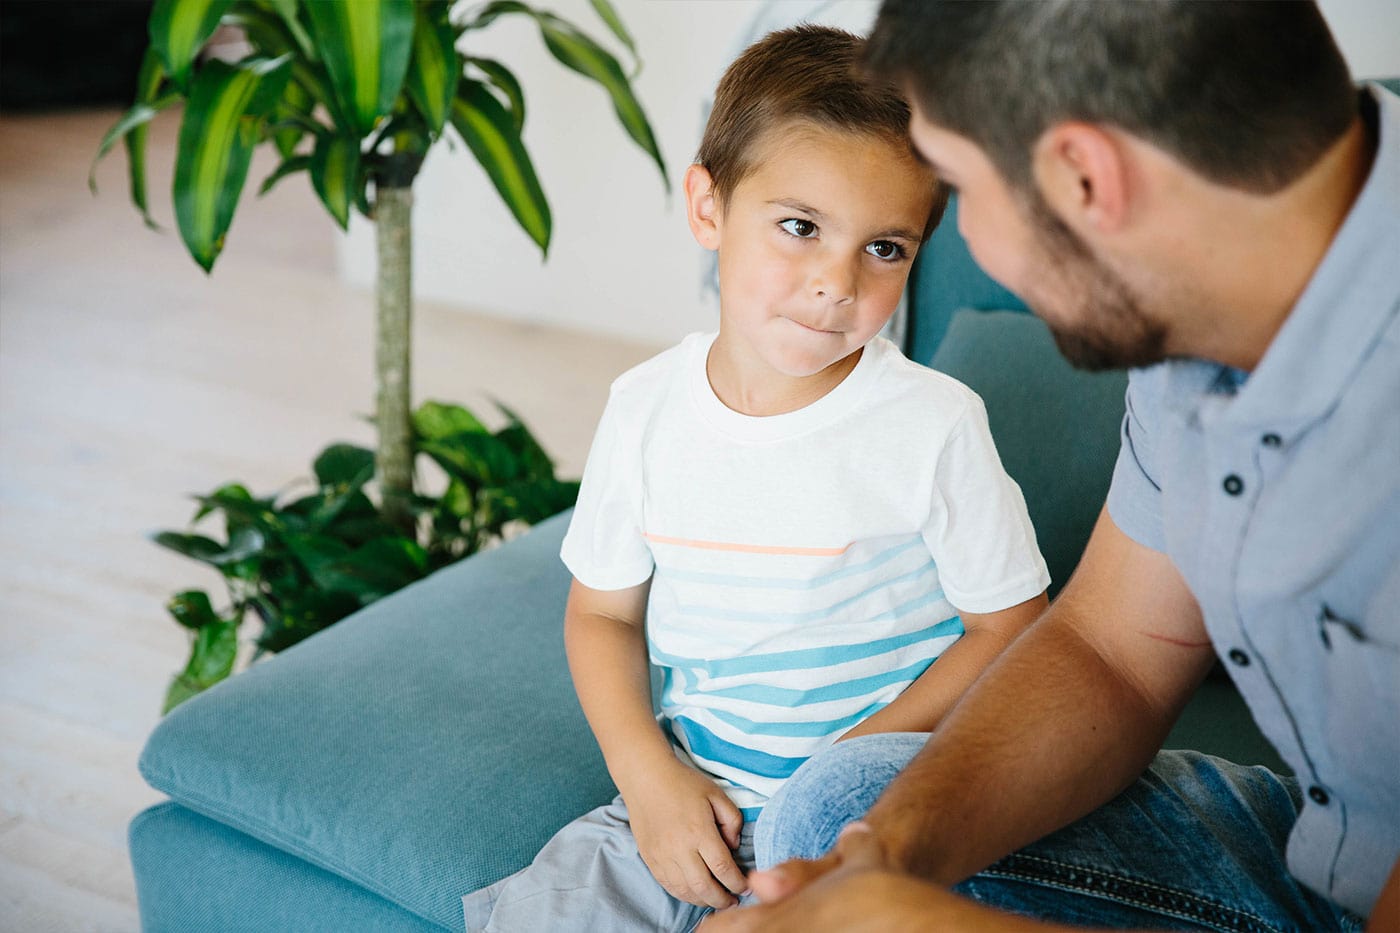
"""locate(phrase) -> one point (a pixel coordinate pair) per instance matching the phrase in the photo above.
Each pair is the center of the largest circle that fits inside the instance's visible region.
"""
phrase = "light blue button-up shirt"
(1277, 496)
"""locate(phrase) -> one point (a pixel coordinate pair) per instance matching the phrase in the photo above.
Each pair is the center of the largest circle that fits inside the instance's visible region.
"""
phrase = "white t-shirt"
(806, 567)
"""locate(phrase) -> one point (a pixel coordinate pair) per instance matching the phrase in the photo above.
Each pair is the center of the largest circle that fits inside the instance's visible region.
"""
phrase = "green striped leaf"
(132, 129)
(578, 52)
(222, 123)
(434, 70)
(287, 10)
(506, 82)
(335, 173)
(489, 13)
(270, 33)
(264, 29)
(148, 83)
(607, 14)
(179, 29)
(293, 118)
(290, 166)
(493, 138)
(315, 81)
(367, 45)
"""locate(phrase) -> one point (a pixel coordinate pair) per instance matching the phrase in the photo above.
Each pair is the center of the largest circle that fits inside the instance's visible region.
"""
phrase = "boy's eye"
(885, 249)
(799, 227)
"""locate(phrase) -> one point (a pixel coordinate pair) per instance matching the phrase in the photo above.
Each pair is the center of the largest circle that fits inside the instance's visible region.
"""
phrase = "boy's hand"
(686, 829)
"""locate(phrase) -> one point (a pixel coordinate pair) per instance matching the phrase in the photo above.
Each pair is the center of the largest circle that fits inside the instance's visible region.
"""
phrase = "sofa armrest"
(422, 748)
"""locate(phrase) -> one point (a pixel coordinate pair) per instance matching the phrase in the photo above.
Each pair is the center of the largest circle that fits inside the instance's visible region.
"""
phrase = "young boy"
(803, 519)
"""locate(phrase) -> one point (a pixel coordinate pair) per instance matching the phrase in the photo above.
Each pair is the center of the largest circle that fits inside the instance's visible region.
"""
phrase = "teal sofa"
(430, 744)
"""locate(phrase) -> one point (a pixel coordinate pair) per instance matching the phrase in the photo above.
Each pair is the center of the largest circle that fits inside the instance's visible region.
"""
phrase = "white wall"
(622, 260)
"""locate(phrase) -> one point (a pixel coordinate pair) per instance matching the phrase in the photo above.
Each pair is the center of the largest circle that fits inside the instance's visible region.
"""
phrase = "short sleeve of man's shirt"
(979, 531)
(1135, 496)
(604, 548)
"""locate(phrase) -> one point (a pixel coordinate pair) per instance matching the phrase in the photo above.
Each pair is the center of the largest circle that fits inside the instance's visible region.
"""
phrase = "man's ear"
(702, 206)
(1082, 173)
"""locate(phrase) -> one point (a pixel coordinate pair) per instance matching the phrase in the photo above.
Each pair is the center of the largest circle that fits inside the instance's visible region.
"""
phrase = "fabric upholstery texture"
(946, 280)
(198, 874)
(423, 748)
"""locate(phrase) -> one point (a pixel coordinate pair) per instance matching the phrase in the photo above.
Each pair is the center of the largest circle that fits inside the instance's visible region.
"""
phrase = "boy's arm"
(925, 702)
(684, 824)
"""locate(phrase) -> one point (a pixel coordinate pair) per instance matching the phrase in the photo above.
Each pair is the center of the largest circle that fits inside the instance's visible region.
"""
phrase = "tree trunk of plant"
(394, 459)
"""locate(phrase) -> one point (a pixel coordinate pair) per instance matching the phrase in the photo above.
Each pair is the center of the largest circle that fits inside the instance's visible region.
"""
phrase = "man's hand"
(686, 831)
(856, 846)
(851, 891)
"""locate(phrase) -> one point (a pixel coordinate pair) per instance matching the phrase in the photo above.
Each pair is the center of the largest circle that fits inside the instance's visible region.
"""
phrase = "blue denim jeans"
(1196, 844)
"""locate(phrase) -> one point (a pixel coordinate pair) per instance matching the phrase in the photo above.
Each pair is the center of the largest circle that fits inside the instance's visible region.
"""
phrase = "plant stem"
(394, 458)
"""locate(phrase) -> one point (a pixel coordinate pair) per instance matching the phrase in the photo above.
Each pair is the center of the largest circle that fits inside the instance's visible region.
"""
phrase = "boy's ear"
(702, 206)
(1082, 173)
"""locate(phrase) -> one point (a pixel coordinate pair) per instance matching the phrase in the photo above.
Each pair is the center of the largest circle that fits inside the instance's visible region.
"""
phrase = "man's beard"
(1112, 332)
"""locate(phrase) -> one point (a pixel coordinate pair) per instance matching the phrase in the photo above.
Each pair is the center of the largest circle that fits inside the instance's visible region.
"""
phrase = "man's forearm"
(1046, 735)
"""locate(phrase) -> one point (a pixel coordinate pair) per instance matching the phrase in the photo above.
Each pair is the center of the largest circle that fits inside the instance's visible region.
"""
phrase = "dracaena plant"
(354, 93)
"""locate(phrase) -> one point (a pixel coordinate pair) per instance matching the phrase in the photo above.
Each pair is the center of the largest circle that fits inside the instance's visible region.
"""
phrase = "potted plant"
(354, 93)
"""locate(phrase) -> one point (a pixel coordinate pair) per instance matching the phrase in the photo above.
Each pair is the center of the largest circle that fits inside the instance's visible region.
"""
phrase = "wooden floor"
(129, 380)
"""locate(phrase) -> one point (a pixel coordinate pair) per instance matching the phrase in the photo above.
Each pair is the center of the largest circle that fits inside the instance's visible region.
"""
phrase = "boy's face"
(815, 246)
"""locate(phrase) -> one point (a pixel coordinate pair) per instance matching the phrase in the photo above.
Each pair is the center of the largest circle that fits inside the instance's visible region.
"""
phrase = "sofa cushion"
(1056, 428)
(424, 747)
(196, 874)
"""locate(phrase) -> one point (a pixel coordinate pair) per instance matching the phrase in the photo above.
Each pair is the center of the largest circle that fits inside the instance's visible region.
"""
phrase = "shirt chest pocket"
(1363, 684)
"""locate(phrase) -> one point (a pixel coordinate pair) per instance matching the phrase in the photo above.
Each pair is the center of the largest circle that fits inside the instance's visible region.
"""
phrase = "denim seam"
(1202, 913)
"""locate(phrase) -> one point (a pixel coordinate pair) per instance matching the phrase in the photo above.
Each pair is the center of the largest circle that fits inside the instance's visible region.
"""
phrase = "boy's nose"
(834, 281)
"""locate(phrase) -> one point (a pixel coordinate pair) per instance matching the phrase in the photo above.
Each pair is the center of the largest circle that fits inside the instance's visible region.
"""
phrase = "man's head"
(1246, 96)
(807, 187)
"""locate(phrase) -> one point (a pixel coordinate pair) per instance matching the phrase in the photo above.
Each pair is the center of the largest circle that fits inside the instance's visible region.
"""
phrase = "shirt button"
(1233, 485)
(1271, 440)
(1318, 795)
(1239, 657)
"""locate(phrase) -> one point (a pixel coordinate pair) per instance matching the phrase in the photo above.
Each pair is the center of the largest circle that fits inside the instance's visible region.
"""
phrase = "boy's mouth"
(815, 330)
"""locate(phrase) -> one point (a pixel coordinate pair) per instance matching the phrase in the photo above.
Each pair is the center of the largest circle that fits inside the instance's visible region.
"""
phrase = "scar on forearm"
(1177, 641)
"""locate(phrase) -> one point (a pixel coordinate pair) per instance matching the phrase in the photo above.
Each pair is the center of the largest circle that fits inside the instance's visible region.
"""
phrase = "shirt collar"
(1341, 314)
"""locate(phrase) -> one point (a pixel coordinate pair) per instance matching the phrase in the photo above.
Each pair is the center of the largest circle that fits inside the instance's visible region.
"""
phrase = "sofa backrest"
(1056, 428)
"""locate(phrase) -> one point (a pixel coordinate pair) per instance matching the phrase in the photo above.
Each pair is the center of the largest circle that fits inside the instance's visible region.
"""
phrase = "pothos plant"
(354, 93)
(305, 558)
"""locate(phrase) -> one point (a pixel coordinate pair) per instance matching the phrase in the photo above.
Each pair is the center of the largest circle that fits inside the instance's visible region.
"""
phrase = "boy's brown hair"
(806, 73)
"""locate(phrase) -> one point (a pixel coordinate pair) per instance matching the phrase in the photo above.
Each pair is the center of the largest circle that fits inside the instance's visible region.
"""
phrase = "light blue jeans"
(1196, 844)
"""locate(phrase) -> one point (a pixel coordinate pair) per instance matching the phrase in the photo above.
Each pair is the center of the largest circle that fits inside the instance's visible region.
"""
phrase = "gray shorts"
(589, 877)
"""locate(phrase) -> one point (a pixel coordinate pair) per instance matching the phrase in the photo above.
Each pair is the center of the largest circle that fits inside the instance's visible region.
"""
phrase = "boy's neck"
(745, 384)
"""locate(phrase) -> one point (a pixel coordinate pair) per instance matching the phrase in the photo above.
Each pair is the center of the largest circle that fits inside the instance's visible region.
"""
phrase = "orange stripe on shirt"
(749, 548)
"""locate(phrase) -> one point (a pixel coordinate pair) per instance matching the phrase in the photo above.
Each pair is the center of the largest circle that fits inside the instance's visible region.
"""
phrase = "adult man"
(1196, 190)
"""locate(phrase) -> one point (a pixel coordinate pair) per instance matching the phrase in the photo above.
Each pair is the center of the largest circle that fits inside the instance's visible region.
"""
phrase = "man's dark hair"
(1246, 93)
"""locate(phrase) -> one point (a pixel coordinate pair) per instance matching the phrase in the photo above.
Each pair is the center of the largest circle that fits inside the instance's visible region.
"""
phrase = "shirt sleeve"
(1135, 496)
(979, 531)
(604, 548)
